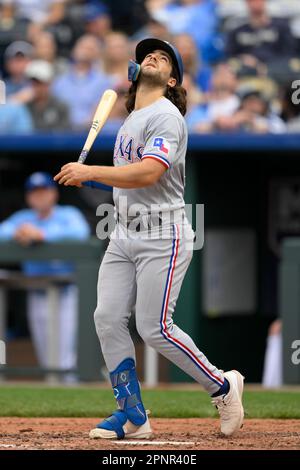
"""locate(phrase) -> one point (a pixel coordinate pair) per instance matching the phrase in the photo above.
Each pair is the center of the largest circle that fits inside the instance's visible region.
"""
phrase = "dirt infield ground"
(72, 433)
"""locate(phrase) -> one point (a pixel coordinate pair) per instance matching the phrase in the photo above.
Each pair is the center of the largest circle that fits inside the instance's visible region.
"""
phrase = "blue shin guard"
(128, 395)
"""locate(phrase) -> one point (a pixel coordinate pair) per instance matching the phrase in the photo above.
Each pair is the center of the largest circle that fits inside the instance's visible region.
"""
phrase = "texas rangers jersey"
(159, 132)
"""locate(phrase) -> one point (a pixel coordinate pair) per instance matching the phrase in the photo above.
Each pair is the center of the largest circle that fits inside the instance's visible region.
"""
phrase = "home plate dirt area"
(169, 434)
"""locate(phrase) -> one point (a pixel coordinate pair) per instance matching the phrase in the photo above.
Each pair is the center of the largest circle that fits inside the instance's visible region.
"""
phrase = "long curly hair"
(176, 94)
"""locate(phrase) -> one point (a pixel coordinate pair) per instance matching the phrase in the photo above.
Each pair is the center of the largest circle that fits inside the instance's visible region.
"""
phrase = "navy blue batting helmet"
(151, 44)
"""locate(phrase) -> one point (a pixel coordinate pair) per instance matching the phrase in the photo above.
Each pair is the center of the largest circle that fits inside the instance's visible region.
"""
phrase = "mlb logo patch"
(162, 144)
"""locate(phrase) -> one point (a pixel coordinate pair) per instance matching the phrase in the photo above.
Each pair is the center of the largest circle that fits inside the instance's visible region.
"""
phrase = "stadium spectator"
(254, 115)
(272, 370)
(44, 222)
(7, 10)
(128, 15)
(152, 29)
(200, 72)
(39, 15)
(116, 56)
(97, 20)
(15, 119)
(268, 39)
(44, 12)
(196, 105)
(10, 28)
(290, 108)
(45, 49)
(83, 84)
(222, 101)
(17, 56)
(48, 113)
(197, 18)
(248, 67)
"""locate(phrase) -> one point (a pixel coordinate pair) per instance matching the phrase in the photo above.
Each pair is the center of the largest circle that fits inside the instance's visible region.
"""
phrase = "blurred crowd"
(240, 57)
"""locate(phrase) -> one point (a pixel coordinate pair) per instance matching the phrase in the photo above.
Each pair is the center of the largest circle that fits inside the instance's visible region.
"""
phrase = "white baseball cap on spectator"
(40, 70)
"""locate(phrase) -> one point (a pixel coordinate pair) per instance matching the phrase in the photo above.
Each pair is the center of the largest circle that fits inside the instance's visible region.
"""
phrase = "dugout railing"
(86, 257)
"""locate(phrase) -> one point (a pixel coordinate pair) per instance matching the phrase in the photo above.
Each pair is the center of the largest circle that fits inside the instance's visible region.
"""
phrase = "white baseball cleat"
(131, 431)
(230, 406)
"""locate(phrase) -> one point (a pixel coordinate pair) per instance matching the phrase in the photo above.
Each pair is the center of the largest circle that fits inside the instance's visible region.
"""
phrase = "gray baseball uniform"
(150, 249)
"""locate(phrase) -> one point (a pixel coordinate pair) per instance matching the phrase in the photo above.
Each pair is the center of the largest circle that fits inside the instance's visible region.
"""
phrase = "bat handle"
(82, 156)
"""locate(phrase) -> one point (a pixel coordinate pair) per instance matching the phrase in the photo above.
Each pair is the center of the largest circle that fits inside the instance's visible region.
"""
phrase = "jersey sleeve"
(163, 135)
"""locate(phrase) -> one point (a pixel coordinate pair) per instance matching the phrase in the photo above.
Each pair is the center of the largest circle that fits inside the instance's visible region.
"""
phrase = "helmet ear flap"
(133, 70)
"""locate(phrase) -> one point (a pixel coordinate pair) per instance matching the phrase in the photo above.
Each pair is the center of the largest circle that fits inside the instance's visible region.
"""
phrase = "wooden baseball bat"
(104, 107)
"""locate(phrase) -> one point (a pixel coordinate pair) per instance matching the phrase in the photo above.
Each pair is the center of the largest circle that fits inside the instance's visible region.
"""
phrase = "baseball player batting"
(145, 262)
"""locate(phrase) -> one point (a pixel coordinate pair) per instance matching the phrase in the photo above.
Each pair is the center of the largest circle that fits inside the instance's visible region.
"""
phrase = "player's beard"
(152, 78)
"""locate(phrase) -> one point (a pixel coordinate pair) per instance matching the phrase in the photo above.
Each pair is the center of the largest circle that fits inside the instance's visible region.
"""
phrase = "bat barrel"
(102, 112)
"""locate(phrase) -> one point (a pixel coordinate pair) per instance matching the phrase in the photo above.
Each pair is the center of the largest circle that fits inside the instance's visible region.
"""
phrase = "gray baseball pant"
(148, 274)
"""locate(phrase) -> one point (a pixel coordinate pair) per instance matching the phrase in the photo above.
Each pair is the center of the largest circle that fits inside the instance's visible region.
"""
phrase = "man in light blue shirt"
(17, 56)
(15, 119)
(45, 221)
(82, 85)
(199, 19)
